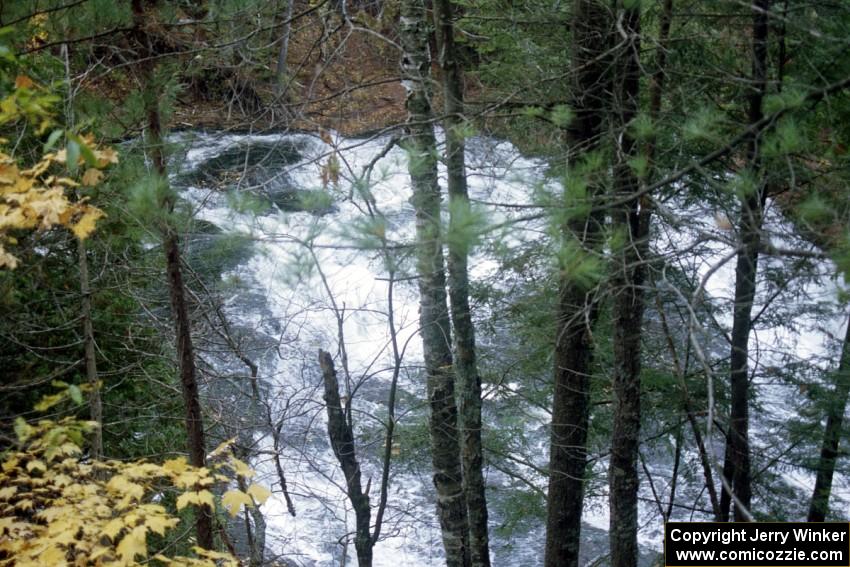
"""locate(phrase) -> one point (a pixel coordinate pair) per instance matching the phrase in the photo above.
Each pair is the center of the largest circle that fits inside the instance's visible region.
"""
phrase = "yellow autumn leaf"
(66, 181)
(105, 156)
(240, 468)
(202, 497)
(159, 524)
(259, 493)
(233, 501)
(218, 556)
(7, 260)
(92, 177)
(52, 556)
(98, 552)
(121, 485)
(133, 544)
(222, 448)
(142, 470)
(85, 226)
(38, 169)
(22, 81)
(113, 528)
(175, 466)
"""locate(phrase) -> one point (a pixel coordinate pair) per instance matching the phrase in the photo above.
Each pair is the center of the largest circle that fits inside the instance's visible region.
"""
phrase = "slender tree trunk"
(281, 70)
(831, 436)
(95, 404)
(465, 363)
(705, 461)
(656, 89)
(342, 441)
(576, 308)
(89, 345)
(142, 16)
(631, 222)
(433, 310)
(737, 466)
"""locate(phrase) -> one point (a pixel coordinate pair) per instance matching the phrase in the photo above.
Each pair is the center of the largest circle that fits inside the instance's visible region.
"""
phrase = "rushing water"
(303, 284)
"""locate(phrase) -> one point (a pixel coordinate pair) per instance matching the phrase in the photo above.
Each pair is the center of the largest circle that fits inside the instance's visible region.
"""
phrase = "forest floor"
(342, 78)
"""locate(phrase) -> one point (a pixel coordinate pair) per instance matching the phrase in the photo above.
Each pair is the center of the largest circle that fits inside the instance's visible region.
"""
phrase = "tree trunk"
(466, 366)
(656, 89)
(142, 15)
(342, 441)
(281, 70)
(433, 311)
(576, 308)
(631, 222)
(95, 405)
(705, 460)
(752, 209)
(90, 357)
(831, 436)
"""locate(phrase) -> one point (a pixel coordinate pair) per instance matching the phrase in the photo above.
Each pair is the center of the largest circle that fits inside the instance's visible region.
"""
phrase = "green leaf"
(561, 116)
(73, 155)
(533, 111)
(743, 185)
(76, 394)
(52, 139)
(642, 127)
(23, 430)
(640, 165)
(702, 126)
(466, 224)
(577, 265)
(789, 99)
(85, 150)
(815, 209)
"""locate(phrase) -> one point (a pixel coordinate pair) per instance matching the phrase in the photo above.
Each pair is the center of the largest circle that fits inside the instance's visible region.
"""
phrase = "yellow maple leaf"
(176, 466)
(159, 524)
(240, 468)
(8, 173)
(133, 544)
(52, 556)
(121, 485)
(7, 260)
(113, 528)
(105, 156)
(259, 493)
(85, 226)
(66, 181)
(217, 556)
(233, 501)
(22, 81)
(202, 497)
(92, 177)
(222, 448)
(39, 168)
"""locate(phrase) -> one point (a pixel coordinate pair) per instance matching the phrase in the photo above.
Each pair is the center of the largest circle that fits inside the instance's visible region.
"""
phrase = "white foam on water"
(352, 284)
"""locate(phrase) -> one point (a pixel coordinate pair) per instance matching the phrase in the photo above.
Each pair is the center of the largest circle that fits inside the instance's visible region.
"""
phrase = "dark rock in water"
(259, 168)
(211, 252)
(249, 163)
(292, 199)
(203, 227)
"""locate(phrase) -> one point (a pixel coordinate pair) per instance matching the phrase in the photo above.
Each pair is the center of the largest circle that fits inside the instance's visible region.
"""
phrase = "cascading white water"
(308, 274)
